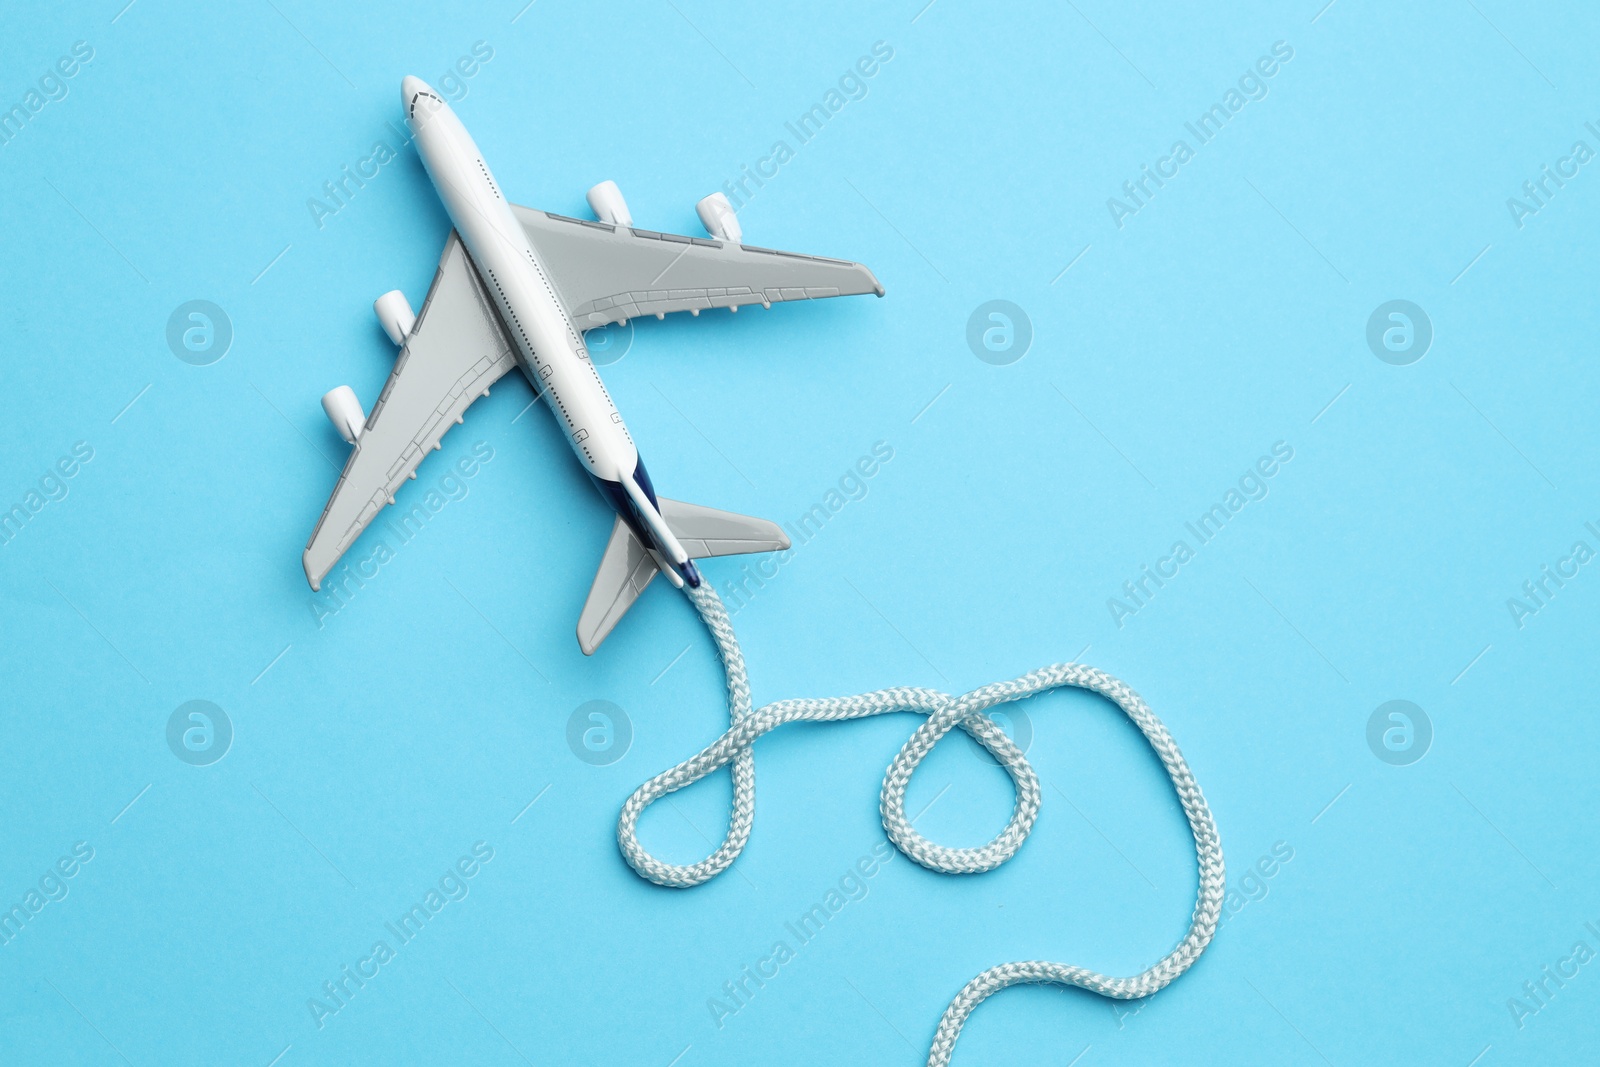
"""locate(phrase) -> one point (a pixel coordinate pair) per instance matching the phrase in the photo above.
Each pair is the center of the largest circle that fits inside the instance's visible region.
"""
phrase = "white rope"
(944, 713)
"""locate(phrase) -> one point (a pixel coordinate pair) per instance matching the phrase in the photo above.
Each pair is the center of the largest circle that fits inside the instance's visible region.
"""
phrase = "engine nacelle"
(605, 200)
(394, 312)
(719, 219)
(344, 411)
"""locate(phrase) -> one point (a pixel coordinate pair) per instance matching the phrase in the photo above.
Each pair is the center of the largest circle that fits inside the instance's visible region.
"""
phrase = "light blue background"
(1228, 314)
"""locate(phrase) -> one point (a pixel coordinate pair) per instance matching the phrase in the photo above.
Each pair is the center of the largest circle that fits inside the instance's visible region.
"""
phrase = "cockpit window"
(435, 106)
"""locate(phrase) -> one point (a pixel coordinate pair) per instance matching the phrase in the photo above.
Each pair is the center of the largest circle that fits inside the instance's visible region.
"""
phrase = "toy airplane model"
(515, 287)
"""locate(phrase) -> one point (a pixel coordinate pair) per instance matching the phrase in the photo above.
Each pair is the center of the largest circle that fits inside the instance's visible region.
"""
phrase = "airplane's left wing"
(455, 351)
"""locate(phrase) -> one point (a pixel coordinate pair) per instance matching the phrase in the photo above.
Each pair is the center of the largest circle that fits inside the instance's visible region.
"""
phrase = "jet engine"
(605, 200)
(719, 219)
(394, 312)
(344, 411)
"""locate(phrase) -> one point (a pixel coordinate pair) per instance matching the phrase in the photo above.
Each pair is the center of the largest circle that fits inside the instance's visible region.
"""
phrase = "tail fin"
(628, 565)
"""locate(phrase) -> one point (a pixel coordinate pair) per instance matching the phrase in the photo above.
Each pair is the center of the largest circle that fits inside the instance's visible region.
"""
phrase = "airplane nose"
(410, 86)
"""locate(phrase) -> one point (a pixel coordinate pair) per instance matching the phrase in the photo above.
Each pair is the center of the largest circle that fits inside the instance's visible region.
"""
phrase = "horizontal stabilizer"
(627, 566)
(625, 570)
(708, 532)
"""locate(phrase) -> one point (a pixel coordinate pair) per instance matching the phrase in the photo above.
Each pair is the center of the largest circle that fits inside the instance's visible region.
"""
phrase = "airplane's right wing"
(455, 351)
(606, 273)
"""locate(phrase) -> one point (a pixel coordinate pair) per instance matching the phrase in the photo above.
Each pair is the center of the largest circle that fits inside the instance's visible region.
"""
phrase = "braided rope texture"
(944, 713)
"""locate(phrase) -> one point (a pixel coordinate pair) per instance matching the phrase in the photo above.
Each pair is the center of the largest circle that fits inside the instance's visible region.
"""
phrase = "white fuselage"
(549, 347)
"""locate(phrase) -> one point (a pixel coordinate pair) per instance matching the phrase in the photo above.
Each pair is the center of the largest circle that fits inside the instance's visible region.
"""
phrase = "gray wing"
(454, 353)
(709, 532)
(607, 273)
(624, 571)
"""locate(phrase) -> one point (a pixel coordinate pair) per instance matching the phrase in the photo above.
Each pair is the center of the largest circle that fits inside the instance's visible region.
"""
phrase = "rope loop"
(944, 713)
